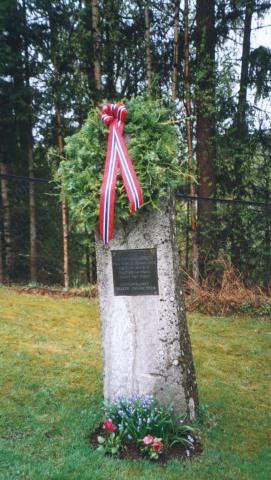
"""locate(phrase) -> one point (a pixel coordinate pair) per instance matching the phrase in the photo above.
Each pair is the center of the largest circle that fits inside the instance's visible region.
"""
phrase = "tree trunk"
(148, 47)
(1, 236)
(65, 224)
(88, 265)
(241, 120)
(205, 128)
(64, 208)
(60, 140)
(1, 259)
(189, 137)
(242, 97)
(93, 267)
(97, 44)
(241, 134)
(32, 217)
(29, 154)
(97, 74)
(187, 248)
(267, 239)
(9, 260)
(176, 47)
(109, 49)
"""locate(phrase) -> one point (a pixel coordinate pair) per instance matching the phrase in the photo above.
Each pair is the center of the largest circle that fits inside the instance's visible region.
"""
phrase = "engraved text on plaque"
(135, 272)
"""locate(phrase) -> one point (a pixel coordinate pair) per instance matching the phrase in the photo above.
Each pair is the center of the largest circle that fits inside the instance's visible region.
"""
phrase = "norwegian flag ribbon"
(117, 157)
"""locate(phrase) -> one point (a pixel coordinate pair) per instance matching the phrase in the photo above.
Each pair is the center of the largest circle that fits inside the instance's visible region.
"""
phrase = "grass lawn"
(51, 384)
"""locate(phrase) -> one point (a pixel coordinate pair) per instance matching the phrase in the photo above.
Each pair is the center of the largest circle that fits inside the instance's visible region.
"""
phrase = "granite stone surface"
(145, 341)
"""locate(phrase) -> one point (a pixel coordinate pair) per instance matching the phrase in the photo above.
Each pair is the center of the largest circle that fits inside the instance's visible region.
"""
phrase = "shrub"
(232, 296)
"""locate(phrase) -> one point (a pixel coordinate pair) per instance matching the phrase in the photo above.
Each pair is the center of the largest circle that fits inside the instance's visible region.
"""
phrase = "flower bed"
(142, 428)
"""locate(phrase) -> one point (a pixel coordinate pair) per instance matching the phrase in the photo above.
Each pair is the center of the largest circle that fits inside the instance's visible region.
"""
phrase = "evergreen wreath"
(153, 146)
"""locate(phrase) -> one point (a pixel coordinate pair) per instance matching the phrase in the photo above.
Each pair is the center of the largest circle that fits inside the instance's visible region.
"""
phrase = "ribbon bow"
(117, 157)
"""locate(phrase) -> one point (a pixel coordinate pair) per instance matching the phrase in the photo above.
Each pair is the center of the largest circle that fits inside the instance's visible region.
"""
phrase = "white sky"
(261, 36)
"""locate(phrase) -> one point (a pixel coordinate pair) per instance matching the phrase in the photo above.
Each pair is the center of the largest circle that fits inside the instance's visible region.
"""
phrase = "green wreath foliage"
(153, 146)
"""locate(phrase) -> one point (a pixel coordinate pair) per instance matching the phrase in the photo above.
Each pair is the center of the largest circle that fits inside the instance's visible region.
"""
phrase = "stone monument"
(145, 340)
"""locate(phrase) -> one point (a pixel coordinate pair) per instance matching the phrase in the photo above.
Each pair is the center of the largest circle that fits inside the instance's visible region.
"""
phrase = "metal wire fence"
(15, 235)
(226, 232)
(219, 230)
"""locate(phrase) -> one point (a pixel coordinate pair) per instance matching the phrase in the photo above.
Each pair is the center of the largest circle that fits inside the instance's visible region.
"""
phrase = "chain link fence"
(232, 232)
(222, 233)
(15, 235)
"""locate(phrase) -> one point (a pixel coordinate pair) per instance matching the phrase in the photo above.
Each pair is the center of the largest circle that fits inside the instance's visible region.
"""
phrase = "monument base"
(145, 340)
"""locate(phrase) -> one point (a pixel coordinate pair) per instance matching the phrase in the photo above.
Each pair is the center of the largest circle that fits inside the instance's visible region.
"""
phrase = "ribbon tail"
(128, 173)
(108, 192)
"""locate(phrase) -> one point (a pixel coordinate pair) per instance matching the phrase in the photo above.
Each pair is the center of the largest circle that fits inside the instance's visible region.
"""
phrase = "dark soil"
(131, 451)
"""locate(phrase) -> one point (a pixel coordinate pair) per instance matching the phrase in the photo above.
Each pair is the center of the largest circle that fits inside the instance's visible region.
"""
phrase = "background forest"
(61, 58)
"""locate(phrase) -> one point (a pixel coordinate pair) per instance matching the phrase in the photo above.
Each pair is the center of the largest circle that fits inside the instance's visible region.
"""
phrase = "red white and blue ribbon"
(117, 157)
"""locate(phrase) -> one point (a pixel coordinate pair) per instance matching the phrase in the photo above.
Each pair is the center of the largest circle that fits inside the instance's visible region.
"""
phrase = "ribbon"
(117, 157)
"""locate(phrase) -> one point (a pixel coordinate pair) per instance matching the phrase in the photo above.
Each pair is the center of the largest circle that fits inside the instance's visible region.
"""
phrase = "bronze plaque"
(135, 272)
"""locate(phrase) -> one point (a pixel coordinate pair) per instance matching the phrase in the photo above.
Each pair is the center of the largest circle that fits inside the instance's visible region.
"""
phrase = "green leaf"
(101, 449)
(100, 439)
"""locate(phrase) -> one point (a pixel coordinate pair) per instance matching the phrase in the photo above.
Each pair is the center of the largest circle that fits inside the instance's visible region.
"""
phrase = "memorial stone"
(145, 340)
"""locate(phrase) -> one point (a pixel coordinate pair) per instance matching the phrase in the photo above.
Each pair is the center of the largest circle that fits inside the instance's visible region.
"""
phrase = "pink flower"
(109, 426)
(148, 439)
(157, 446)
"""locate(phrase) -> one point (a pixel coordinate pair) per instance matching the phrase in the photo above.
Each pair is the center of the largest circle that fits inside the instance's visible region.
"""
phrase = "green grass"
(51, 384)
